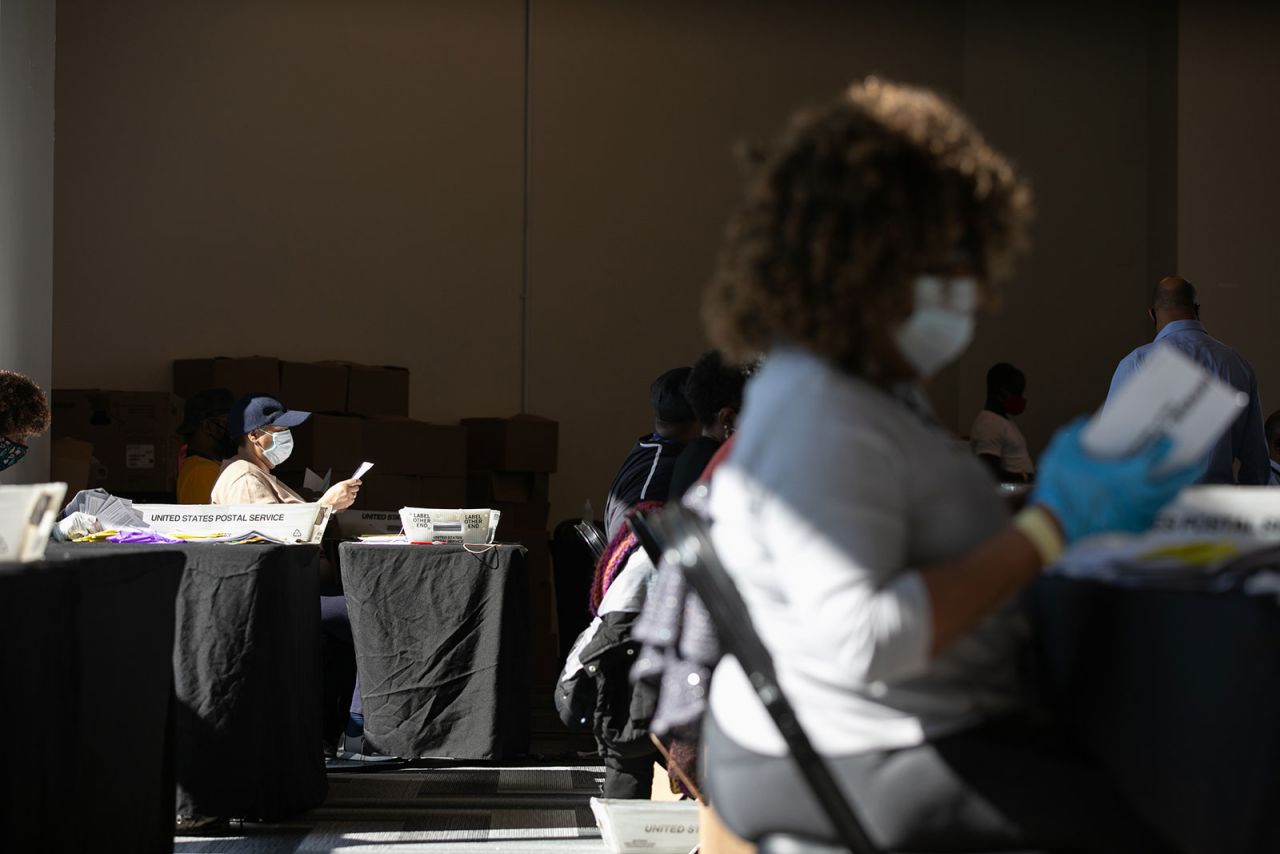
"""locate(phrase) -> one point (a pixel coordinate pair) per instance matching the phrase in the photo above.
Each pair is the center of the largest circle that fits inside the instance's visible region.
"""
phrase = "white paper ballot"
(362, 471)
(1170, 395)
(315, 482)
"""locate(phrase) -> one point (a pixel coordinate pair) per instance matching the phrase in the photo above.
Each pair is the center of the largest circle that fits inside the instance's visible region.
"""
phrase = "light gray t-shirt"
(834, 495)
(996, 436)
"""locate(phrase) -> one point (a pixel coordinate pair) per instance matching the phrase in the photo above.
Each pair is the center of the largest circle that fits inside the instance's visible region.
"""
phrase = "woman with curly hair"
(24, 414)
(874, 555)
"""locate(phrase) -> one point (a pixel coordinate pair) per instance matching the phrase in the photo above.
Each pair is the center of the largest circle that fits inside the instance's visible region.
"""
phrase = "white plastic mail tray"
(27, 514)
(291, 523)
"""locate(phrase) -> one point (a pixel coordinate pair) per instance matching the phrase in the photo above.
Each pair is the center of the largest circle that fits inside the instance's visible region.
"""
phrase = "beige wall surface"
(1065, 92)
(636, 111)
(1229, 177)
(335, 179)
(26, 204)
(309, 180)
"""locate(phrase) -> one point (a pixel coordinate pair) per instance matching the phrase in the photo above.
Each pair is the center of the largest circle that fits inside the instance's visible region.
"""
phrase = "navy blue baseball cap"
(255, 411)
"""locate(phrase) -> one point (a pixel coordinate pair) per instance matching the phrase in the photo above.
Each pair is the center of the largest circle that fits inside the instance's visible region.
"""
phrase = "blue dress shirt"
(1245, 441)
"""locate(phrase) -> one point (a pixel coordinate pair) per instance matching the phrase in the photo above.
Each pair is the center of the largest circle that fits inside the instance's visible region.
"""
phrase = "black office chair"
(681, 537)
(592, 538)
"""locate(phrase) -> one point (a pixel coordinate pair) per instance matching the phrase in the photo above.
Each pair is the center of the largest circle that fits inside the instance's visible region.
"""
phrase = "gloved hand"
(76, 525)
(1091, 495)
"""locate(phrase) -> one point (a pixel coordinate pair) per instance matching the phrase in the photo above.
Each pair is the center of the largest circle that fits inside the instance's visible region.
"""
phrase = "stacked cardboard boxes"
(132, 435)
(416, 464)
(361, 413)
(330, 387)
(510, 462)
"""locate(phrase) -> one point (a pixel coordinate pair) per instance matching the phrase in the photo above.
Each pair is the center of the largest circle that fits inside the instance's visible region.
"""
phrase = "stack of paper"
(1212, 537)
(112, 511)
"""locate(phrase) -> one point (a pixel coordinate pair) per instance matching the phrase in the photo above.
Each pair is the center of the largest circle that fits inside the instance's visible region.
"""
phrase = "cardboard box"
(314, 386)
(519, 443)
(84, 413)
(390, 492)
(405, 446)
(72, 463)
(324, 442)
(486, 487)
(239, 376)
(135, 448)
(518, 521)
(377, 390)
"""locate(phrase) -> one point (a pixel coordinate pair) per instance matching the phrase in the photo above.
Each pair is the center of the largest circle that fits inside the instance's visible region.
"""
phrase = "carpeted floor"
(441, 810)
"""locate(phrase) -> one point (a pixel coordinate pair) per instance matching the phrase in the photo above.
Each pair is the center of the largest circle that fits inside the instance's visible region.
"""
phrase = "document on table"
(362, 471)
(1170, 395)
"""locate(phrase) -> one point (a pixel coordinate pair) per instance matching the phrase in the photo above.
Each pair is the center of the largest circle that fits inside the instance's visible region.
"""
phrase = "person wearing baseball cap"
(260, 427)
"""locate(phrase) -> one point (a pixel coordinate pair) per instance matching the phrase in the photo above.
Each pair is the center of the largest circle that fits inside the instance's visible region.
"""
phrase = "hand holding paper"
(341, 495)
(1170, 395)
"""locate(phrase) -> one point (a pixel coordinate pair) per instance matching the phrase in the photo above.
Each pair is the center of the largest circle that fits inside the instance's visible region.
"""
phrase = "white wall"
(26, 204)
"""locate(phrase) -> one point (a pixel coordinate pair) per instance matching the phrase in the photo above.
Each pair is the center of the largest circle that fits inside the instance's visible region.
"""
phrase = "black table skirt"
(86, 702)
(1177, 695)
(441, 641)
(246, 666)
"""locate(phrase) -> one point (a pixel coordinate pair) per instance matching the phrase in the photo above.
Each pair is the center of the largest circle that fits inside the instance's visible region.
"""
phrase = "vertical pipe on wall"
(1162, 148)
(524, 230)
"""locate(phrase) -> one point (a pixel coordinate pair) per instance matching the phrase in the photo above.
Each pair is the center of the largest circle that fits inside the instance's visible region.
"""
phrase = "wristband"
(1038, 526)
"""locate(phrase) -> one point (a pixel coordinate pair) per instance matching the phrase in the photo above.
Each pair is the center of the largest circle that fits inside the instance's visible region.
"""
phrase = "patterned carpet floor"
(439, 810)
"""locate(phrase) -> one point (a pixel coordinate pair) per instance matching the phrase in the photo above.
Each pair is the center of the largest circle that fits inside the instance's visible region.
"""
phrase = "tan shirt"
(241, 482)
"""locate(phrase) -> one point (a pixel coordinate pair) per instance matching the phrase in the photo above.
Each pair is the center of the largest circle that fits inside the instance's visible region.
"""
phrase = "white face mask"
(280, 448)
(941, 325)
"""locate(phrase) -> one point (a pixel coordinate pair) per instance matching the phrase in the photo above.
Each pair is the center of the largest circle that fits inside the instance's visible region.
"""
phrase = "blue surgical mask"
(10, 453)
(280, 448)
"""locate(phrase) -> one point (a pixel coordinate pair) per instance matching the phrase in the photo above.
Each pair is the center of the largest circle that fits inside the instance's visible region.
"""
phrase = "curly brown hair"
(24, 410)
(853, 201)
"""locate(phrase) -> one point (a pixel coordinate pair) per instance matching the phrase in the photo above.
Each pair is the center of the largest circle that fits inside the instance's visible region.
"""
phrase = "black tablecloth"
(86, 702)
(246, 665)
(1177, 694)
(441, 647)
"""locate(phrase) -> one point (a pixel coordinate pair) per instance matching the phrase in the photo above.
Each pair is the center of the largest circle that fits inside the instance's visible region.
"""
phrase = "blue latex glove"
(1091, 495)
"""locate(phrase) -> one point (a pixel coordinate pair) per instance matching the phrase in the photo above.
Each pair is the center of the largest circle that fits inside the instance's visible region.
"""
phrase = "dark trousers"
(1000, 786)
(631, 779)
(341, 682)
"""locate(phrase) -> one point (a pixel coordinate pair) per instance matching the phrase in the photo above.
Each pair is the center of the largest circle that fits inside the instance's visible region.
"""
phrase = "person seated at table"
(994, 437)
(876, 563)
(260, 426)
(714, 391)
(645, 475)
(24, 415)
(204, 429)
(1272, 429)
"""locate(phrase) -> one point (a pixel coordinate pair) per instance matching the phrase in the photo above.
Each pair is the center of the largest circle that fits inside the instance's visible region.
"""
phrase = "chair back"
(683, 537)
(592, 538)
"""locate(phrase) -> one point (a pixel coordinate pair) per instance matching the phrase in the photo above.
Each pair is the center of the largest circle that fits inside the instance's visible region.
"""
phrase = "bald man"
(1175, 311)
